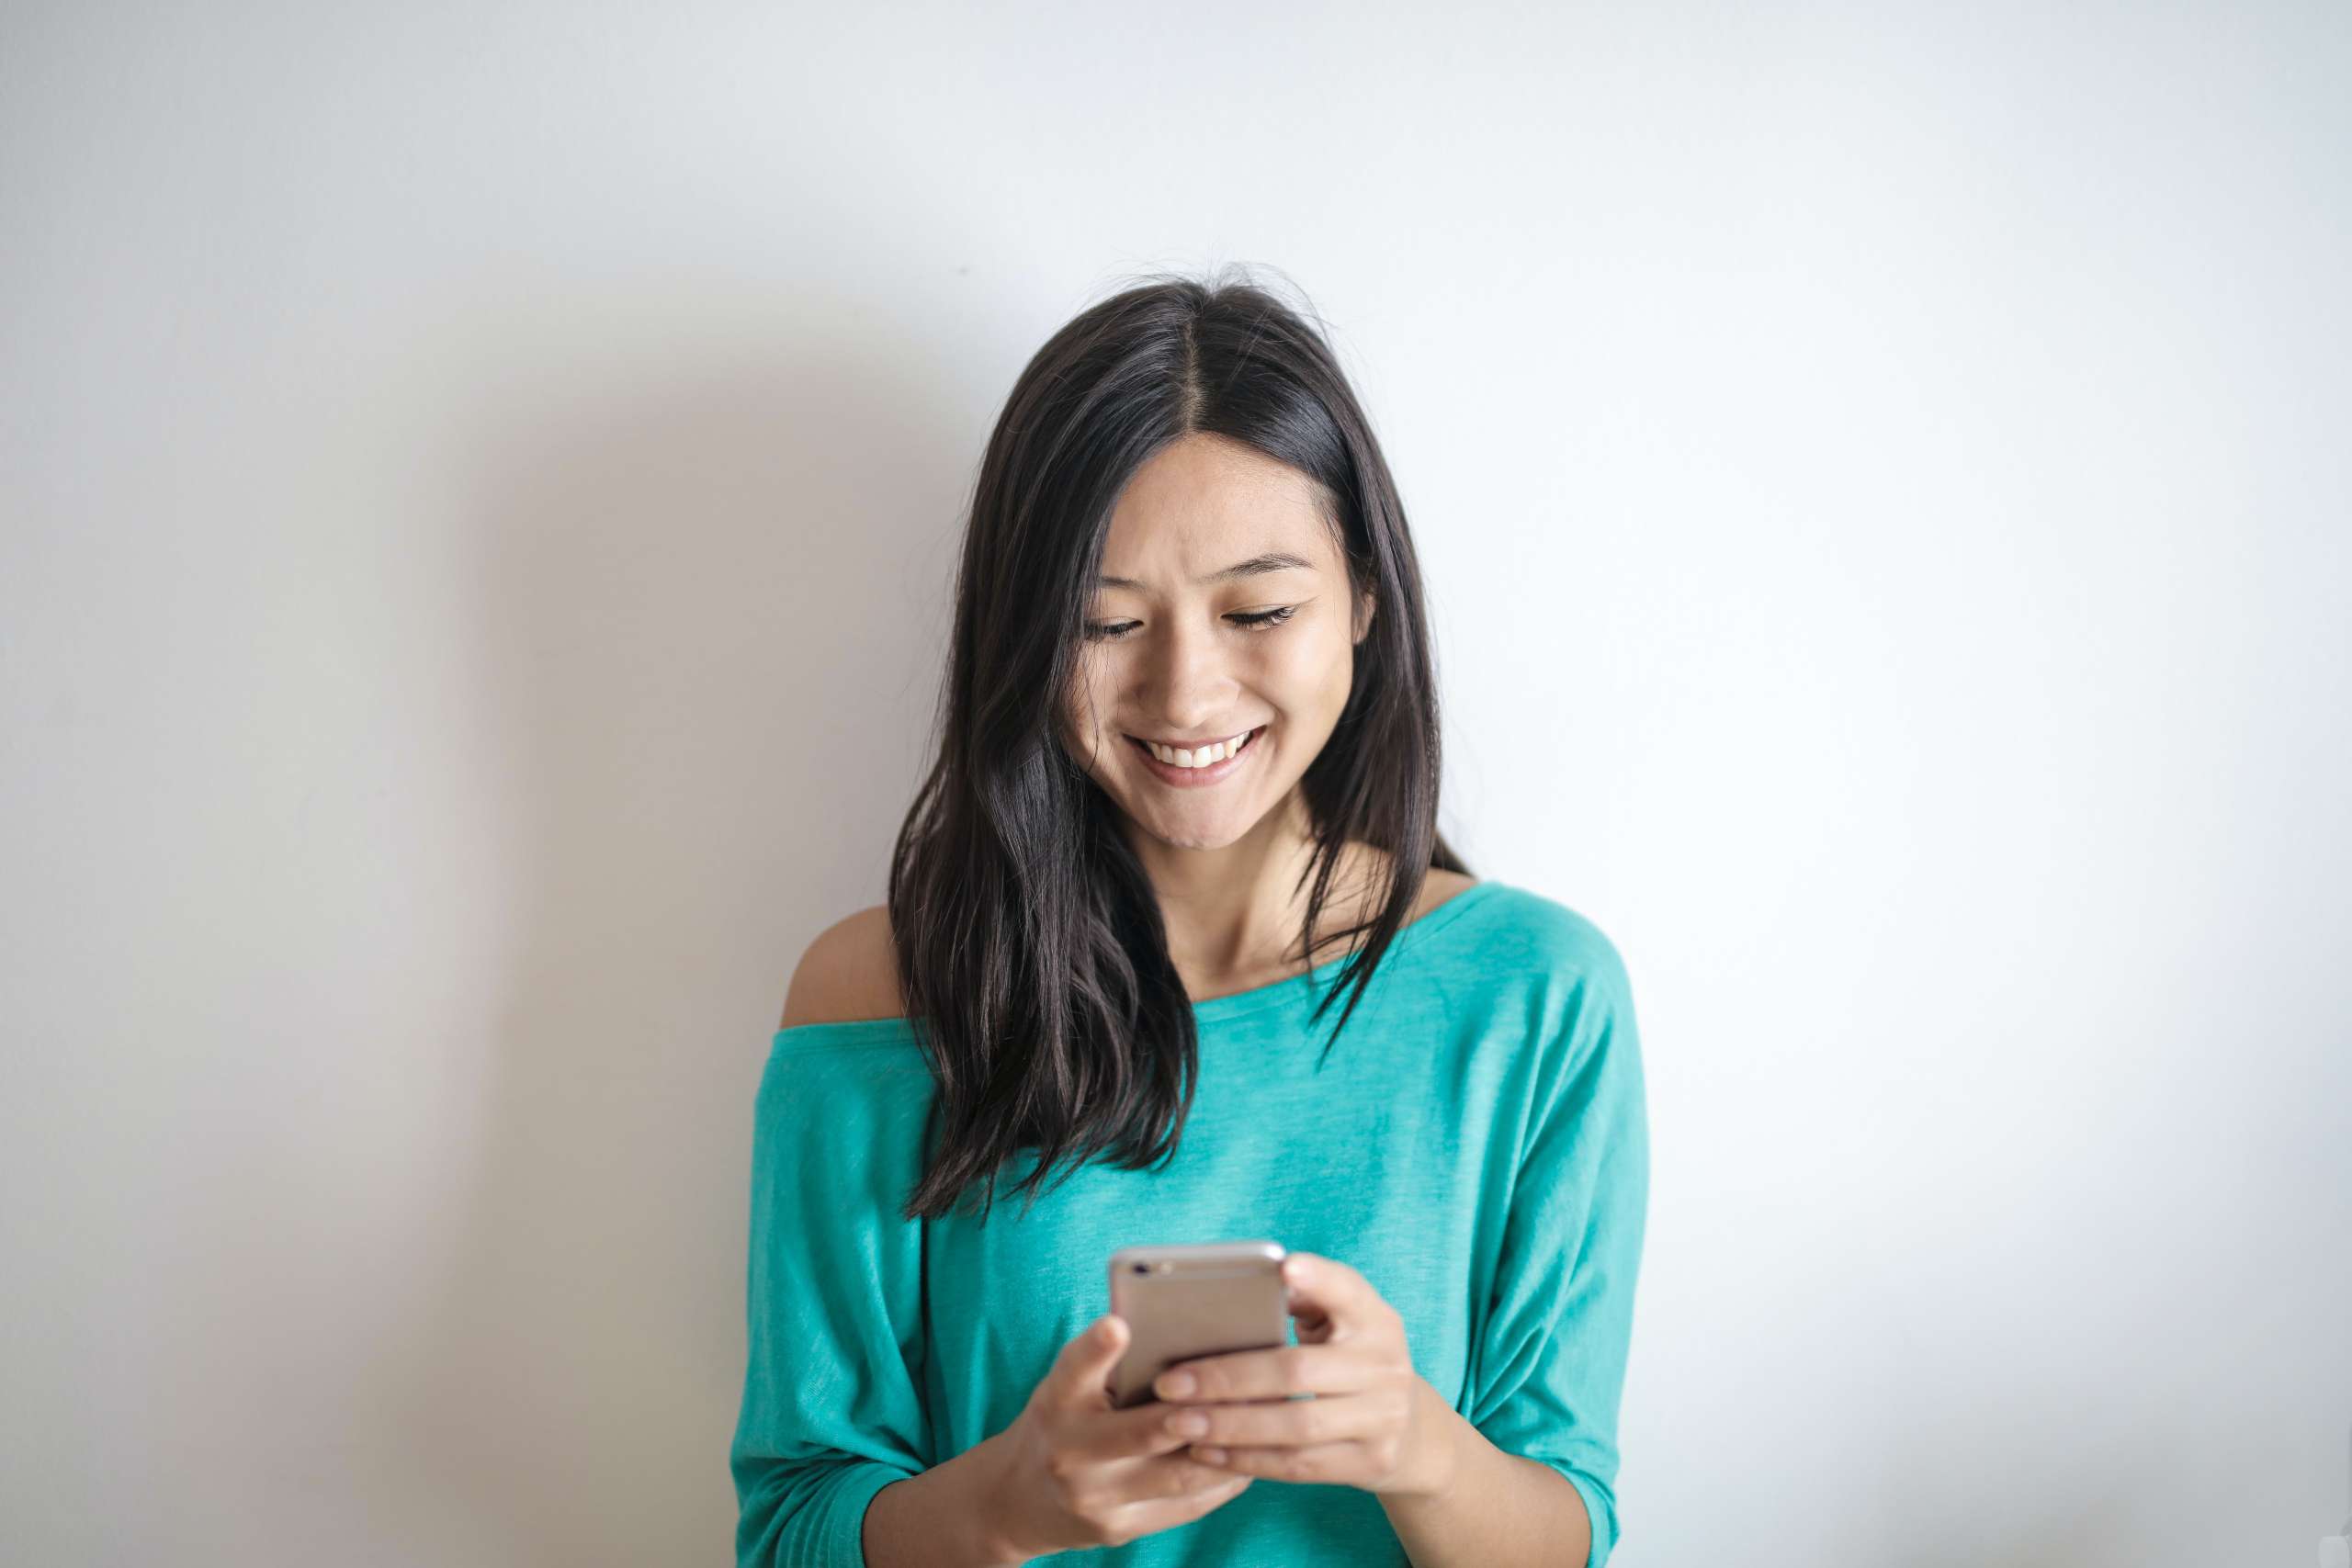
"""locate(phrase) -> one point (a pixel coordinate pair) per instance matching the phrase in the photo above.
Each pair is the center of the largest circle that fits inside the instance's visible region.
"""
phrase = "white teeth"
(1177, 758)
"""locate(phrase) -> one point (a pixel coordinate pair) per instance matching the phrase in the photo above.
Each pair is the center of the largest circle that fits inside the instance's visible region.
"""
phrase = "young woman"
(1185, 803)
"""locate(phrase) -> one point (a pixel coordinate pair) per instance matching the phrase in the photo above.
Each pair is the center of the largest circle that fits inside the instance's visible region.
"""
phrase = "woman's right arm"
(833, 1452)
(832, 1426)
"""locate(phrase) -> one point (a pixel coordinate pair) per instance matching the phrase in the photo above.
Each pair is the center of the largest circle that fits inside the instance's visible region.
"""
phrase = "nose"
(1187, 683)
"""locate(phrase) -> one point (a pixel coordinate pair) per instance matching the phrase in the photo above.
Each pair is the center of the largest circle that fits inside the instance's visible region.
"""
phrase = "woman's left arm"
(1453, 1498)
(1480, 1505)
(1524, 1476)
(1551, 1357)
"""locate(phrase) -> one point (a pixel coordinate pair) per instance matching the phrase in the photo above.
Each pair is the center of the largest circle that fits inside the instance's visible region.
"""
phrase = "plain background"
(480, 487)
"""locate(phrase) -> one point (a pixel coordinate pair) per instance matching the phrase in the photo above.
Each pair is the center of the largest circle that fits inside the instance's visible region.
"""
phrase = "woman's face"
(1175, 650)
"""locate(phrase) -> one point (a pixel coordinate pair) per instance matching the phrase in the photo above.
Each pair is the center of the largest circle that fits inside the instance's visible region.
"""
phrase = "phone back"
(1197, 1299)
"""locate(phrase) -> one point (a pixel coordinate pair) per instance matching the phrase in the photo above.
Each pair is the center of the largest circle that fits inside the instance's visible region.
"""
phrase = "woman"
(1190, 722)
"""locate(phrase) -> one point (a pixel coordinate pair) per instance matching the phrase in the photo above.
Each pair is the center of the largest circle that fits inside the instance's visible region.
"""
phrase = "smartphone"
(1197, 1299)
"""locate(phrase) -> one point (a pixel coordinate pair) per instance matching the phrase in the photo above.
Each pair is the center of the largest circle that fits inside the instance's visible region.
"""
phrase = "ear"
(1365, 605)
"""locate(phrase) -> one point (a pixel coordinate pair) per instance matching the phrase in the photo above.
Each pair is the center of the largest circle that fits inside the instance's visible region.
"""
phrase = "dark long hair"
(1031, 953)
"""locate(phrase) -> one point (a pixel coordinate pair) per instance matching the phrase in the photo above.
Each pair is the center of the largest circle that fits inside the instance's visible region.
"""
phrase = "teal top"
(1476, 1145)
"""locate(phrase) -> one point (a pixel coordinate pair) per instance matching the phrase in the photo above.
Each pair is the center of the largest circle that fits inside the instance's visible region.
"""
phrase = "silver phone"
(1191, 1299)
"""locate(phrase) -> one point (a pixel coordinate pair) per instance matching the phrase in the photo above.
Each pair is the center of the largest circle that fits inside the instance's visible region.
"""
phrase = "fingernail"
(1211, 1456)
(1176, 1385)
(1192, 1425)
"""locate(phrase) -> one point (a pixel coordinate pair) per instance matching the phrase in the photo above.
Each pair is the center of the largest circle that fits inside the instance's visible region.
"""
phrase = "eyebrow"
(1272, 560)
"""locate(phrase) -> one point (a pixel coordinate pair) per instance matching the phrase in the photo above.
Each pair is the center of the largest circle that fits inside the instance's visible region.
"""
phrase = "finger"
(1173, 1476)
(1322, 1287)
(1140, 1431)
(1317, 1462)
(1300, 1423)
(1169, 1475)
(1201, 1489)
(1169, 1480)
(1281, 1372)
(1080, 1375)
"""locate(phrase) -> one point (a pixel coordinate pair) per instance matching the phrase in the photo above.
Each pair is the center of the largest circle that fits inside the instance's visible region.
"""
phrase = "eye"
(1255, 621)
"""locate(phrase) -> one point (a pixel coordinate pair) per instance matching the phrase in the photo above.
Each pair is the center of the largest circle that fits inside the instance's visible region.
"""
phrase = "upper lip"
(1189, 745)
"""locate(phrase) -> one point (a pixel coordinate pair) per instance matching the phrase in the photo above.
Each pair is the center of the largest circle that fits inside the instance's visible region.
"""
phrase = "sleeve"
(1552, 1355)
(832, 1409)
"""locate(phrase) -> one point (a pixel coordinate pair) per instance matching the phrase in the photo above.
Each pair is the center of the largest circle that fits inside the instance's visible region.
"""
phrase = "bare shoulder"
(850, 973)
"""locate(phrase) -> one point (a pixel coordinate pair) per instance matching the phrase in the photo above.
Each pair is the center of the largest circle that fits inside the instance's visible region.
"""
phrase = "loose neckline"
(1233, 1004)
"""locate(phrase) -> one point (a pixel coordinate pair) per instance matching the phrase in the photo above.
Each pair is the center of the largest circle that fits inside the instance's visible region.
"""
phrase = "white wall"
(480, 486)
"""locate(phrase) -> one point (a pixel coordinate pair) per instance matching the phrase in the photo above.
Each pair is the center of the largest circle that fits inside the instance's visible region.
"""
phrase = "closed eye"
(1256, 621)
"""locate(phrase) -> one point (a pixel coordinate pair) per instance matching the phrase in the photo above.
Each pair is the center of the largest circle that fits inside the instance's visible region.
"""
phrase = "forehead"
(1204, 502)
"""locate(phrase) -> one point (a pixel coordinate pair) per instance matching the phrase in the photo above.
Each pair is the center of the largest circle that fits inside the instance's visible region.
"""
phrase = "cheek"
(1085, 703)
(1313, 672)
(1089, 713)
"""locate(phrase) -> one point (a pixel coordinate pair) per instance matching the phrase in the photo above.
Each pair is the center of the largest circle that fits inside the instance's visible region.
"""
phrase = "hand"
(1076, 1473)
(1372, 1422)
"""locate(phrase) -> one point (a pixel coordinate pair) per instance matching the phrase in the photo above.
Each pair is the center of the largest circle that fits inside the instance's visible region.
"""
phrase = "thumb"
(1082, 1370)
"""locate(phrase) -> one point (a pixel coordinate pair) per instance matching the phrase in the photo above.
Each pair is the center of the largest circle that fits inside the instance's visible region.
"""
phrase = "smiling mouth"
(1234, 747)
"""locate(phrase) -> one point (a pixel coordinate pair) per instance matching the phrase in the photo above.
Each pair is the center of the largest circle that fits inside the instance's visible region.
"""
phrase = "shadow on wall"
(709, 622)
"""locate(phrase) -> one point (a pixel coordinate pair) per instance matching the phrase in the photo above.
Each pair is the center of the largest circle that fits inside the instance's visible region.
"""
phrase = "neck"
(1235, 912)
